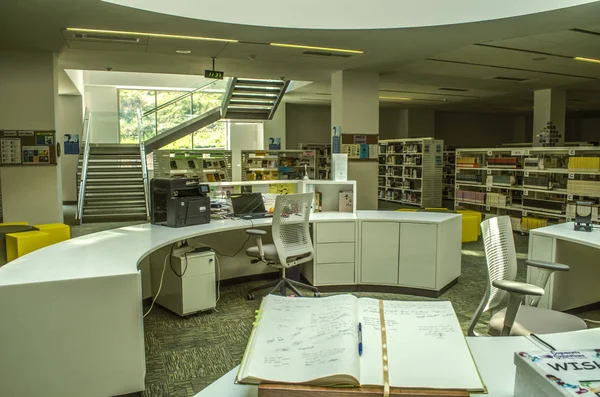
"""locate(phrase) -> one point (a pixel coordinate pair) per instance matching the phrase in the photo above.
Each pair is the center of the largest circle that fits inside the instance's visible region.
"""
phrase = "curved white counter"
(72, 315)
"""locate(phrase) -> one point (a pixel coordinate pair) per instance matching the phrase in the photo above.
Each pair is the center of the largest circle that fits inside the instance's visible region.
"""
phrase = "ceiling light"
(183, 51)
(587, 59)
(166, 36)
(394, 98)
(308, 47)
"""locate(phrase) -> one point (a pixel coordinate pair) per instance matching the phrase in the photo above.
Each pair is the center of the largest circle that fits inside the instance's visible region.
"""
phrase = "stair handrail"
(183, 96)
(84, 166)
(284, 88)
(144, 165)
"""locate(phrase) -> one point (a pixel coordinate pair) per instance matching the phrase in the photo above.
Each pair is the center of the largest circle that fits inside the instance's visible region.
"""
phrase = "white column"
(549, 106)
(355, 108)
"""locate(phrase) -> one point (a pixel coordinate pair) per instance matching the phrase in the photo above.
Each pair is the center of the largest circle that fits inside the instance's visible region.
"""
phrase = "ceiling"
(532, 52)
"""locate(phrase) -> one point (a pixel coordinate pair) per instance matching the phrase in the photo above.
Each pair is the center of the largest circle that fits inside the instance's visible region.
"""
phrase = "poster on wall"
(274, 143)
(71, 143)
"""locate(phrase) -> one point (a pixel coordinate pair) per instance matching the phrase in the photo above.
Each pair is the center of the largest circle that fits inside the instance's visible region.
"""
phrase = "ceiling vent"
(326, 54)
(453, 89)
(513, 79)
(111, 38)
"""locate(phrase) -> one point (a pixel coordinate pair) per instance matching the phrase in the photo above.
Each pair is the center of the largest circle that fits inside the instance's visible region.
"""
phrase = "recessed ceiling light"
(161, 35)
(587, 59)
(308, 47)
(394, 98)
(183, 51)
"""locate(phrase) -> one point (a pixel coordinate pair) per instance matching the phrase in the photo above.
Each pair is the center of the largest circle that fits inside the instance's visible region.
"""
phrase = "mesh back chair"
(291, 246)
(521, 316)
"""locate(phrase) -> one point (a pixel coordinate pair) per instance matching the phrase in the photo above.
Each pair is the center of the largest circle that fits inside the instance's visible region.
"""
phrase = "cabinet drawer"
(335, 273)
(335, 252)
(335, 232)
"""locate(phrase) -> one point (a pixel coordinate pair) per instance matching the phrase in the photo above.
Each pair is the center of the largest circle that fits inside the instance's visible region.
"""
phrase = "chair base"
(281, 285)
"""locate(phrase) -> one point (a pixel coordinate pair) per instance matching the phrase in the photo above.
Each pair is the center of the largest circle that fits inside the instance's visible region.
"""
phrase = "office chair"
(291, 246)
(521, 316)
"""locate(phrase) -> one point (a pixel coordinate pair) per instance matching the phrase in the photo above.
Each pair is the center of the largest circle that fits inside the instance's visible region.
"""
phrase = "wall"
(307, 124)
(474, 129)
(276, 127)
(243, 136)
(28, 87)
(104, 117)
(69, 120)
(393, 123)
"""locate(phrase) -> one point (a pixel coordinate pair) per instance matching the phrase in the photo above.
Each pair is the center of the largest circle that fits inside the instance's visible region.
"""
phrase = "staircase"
(253, 99)
(114, 185)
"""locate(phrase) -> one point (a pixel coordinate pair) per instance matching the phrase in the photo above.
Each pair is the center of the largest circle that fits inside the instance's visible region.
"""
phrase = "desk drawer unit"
(335, 253)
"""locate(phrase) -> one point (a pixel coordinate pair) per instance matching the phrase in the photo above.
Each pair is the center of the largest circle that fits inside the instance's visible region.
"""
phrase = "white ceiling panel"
(102, 46)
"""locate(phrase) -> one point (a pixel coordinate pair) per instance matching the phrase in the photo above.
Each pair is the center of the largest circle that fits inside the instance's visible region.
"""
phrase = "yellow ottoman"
(470, 225)
(14, 224)
(407, 209)
(479, 218)
(58, 231)
(19, 244)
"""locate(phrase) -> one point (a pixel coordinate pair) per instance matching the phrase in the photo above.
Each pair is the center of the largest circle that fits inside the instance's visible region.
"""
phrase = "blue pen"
(359, 339)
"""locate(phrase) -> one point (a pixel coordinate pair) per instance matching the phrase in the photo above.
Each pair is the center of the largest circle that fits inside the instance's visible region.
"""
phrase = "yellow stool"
(58, 231)
(19, 244)
(436, 209)
(471, 212)
(14, 224)
(407, 209)
(470, 225)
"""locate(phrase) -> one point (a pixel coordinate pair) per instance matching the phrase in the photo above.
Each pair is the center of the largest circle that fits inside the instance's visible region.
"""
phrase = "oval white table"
(72, 313)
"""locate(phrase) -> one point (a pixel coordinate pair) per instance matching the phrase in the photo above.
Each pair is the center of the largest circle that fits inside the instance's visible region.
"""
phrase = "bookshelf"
(323, 159)
(410, 171)
(277, 164)
(209, 165)
(448, 174)
(535, 186)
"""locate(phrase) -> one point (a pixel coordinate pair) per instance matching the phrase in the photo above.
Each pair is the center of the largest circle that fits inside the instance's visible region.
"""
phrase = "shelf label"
(569, 220)
(488, 189)
(489, 172)
(489, 153)
(524, 213)
(517, 152)
(457, 152)
(526, 173)
(525, 192)
(571, 175)
(487, 207)
(569, 197)
(526, 152)
(571, 152)
(260, 154)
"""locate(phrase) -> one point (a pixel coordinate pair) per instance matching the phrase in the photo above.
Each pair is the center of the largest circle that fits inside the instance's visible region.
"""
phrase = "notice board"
(27, 147)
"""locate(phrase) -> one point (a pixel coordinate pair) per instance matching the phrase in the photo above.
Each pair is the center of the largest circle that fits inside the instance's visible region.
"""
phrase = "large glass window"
(167, 109)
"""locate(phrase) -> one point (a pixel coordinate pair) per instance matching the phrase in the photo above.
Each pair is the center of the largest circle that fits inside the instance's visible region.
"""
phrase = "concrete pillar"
(549, 106)
(355, 108)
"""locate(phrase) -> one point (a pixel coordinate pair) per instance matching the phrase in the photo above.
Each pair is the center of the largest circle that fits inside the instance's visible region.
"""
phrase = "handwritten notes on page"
(426, 346)
(298, 340)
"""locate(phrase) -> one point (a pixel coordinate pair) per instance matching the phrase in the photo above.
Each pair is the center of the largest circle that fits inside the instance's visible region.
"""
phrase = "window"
(168, 110)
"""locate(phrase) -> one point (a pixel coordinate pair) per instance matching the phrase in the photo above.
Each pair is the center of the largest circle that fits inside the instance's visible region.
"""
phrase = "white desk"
(581, 251)
(494, 358)
(72, 315)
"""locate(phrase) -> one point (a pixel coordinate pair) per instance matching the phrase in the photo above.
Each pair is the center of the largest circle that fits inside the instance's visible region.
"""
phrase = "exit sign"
(214, 74)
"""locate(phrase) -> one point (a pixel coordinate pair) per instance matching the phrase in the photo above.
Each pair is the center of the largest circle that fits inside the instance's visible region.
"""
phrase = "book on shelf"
(316, 342)
(558, 373)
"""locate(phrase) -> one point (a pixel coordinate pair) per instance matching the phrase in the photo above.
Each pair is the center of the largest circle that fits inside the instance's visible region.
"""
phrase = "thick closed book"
(558, 373)
(315, 341)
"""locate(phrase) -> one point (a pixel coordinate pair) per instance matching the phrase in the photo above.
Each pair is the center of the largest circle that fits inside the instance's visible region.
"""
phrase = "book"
(312, 341)
(558, 373)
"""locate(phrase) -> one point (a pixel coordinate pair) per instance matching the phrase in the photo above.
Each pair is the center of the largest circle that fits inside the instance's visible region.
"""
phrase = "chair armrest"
(547, 265)
(518, 287)
(256, 232)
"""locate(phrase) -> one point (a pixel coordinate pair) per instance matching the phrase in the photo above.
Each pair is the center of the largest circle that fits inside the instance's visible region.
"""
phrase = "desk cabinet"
(379, 252)
(335, 253)
(417, 260)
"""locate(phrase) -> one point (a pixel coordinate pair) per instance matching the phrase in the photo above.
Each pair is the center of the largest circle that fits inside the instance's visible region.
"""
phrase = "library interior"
(270, 199)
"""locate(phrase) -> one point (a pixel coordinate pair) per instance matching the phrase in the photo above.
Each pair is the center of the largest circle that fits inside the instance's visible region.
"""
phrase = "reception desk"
(72, 312)
(581, 251)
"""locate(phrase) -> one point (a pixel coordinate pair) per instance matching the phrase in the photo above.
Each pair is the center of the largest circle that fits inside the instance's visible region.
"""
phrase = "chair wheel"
(317, 294)
(250, 296)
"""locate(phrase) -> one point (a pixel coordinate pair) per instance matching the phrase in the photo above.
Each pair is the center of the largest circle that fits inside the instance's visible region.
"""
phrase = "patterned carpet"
(184, 355)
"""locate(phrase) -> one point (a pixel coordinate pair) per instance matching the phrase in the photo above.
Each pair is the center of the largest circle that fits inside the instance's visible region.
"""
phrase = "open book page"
(426, 346)
(298, 340)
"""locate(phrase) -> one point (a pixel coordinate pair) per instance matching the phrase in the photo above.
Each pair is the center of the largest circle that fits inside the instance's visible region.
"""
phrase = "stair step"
(260, 83)
(263, 96)
(95, 194)
(96, 218)
(256, 90)
(251, 102)
(104, 203)
(107, 186)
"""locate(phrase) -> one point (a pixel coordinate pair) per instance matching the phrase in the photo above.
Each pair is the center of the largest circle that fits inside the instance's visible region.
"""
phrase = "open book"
(315, 342)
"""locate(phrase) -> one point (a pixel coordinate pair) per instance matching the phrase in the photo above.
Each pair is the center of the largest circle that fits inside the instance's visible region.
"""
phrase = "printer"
(178, 202)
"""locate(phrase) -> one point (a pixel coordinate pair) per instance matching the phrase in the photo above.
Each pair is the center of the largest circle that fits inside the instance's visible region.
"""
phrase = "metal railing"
(144, 165)
(84, 166)
(180, 98)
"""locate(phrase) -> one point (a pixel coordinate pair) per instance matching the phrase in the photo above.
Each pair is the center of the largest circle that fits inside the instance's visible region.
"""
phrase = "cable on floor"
(162, 277)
